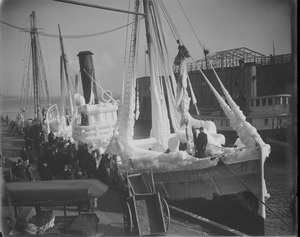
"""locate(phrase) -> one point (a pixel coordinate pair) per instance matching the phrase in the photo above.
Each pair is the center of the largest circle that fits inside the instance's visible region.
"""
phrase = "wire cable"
(262, 202)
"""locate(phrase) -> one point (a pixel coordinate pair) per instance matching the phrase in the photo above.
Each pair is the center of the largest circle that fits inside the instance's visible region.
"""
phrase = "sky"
(219, 25)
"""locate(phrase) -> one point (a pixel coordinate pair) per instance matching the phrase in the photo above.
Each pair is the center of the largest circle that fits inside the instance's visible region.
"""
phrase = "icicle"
(228, 112)
(247, 133)
(236, 109)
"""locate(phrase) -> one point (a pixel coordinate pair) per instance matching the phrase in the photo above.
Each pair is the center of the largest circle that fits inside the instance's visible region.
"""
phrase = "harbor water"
(279, 181)
(278, 175)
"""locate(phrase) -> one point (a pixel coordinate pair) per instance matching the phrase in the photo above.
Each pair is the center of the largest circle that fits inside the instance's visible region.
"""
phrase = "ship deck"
(109, 210)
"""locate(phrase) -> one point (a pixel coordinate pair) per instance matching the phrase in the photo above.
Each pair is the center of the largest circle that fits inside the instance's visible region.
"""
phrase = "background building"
(244, 72)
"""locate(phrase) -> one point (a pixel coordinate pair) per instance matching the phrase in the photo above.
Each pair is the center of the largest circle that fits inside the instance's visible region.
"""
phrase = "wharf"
(109, 210)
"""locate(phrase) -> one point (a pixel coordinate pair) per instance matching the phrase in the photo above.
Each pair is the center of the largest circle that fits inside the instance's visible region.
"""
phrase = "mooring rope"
(241, 181)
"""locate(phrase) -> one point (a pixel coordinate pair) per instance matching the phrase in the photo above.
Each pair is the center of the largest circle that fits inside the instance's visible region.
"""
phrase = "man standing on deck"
(200, 142)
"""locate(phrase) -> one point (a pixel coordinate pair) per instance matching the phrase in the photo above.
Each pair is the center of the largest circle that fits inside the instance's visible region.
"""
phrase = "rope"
(107, 92)
(70, 36)
(191, 25)
(238, 178)
(169, 21)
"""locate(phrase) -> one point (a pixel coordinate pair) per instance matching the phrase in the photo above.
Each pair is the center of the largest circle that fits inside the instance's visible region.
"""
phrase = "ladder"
(128, 103)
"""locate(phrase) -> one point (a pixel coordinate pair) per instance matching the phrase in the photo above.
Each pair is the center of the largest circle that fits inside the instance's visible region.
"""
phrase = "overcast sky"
(219, 25)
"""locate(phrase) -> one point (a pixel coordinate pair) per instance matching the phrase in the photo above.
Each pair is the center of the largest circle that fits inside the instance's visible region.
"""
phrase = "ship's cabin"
(269, 105)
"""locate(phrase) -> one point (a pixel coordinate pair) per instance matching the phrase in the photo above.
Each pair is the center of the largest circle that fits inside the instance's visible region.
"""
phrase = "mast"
(64, 64)
(159, 123)
(35, 68)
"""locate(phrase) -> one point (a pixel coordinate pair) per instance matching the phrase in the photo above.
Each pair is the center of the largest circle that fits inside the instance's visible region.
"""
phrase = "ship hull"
(237, 211)
(220, 193)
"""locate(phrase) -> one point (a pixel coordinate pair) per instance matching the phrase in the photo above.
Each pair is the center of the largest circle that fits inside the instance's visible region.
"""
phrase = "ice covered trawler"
(94, 121)
(91, 121)
(227, 186)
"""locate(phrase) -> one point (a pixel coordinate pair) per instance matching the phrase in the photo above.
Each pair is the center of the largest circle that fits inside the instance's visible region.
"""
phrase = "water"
(278, 175)
(279, 180)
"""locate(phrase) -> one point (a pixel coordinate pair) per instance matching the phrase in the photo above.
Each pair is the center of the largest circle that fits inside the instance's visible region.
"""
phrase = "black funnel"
(87, 71)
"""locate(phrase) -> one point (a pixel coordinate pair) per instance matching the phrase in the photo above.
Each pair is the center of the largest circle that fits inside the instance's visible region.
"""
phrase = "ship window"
(270, 101)
(277, 100)
(284, 100)
(258, 102)
(264, 102)
(266, 122)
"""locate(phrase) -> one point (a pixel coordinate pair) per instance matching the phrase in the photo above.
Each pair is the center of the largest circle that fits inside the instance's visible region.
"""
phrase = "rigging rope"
(71, 36)
(191, 26)
(107, 92)
(170, 22)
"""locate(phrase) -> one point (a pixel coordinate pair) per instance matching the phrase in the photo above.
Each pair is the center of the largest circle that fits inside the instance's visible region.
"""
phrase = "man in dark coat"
(91, 166)
(23, 154)
(45, 172)
(67, 172)
(19, 170)
(81, 156)
(28, 171)
(200, 142)
(103, 171)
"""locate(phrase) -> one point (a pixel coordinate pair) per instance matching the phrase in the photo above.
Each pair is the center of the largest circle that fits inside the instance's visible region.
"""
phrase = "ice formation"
(247, 133)
(141, 155)
(151, 153)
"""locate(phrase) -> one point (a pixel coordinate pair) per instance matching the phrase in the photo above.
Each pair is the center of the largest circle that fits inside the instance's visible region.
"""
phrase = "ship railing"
(92, 132)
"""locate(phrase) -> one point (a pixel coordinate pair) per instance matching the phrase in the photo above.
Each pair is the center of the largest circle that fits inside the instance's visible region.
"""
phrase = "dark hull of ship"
(217, 194)
(237, 211)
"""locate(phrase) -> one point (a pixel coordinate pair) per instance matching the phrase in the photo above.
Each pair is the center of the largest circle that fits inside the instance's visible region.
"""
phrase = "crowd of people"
(61, 159)
(55, 158)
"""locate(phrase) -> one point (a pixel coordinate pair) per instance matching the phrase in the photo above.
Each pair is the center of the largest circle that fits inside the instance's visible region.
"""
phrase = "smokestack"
(250, 80)
(87, 71)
